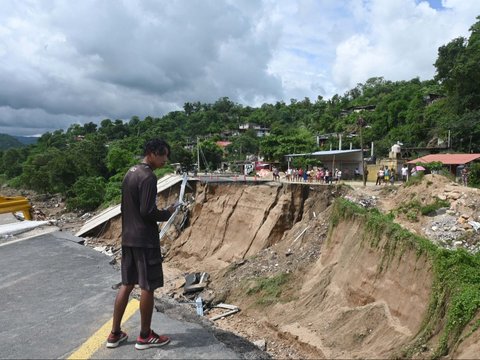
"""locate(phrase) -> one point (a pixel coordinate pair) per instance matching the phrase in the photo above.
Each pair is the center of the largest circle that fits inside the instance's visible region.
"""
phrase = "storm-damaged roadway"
(56, 301)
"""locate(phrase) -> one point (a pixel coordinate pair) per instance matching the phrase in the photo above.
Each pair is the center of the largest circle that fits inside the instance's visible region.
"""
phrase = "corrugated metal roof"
(447, 159)
(336, 152)
(327, 153)
(162, 184)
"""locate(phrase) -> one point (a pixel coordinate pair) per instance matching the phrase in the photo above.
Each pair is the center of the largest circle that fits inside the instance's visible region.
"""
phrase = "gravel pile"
(452, 231)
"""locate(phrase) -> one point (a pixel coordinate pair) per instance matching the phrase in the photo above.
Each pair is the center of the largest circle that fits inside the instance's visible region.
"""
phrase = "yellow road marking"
(88, 348)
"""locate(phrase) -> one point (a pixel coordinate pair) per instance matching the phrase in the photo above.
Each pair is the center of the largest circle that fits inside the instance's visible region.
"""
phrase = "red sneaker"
(153, 340)
(114, 340)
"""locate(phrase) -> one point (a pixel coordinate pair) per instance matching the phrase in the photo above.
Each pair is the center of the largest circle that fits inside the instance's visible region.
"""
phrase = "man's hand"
(173, 207)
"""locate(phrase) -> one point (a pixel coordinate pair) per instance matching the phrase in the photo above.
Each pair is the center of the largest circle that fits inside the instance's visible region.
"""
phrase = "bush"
(15, 183)
(113, 190)
(413, 208)
(430, 208)
(87, 193)
(415, 179)
(167, 169)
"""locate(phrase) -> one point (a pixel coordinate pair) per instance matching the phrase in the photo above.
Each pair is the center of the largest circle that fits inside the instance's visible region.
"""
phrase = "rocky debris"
(195, 282)
(261, 344)
(443, 229)
(364, 201)
(104, 250)
(452, 229)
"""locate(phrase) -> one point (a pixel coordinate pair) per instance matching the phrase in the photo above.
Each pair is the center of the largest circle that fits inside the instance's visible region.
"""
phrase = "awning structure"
(330, 155)
(343, 159)
(447, 159)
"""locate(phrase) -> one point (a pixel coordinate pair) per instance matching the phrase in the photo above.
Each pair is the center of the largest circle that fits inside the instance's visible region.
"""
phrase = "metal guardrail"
(11, 204)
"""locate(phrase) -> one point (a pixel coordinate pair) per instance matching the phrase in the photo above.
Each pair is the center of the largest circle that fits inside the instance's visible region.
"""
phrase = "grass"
(455, 297)
(437, 204)
(415, 180)
(269, 289)
(414, 208)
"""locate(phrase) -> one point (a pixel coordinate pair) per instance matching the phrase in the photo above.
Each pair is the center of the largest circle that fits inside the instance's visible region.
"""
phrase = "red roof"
(223, 143)
(447, 159)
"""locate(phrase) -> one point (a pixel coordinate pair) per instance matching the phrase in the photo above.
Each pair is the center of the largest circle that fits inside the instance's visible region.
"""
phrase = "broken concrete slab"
(195, 282)
(162, 184)
(20, 227)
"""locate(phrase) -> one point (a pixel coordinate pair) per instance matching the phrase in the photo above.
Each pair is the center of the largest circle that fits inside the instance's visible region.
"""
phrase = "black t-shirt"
(139, 208)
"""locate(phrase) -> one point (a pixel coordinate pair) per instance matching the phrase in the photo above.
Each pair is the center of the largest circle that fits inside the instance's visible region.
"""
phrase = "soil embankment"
(309, 285)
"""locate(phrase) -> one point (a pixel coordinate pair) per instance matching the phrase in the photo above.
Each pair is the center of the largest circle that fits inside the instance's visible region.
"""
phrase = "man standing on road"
(141, 256)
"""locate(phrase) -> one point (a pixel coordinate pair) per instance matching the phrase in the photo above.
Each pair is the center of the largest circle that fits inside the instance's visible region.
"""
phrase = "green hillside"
(27, 140)
(7, 142)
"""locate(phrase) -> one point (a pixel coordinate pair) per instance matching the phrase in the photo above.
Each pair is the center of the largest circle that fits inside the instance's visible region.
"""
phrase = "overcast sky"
(67, 61)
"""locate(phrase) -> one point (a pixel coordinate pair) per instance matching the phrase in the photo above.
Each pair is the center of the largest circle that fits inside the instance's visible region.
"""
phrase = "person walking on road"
(141, 255)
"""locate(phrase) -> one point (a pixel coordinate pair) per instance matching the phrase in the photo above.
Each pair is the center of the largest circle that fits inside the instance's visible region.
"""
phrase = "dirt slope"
(340, 300)
(233, 222)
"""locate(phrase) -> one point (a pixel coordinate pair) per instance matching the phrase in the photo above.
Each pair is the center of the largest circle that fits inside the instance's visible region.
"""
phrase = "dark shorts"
(142, 266)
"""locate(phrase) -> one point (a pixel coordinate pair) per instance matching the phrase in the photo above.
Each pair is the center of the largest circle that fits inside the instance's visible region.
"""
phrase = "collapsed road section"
(312, 277)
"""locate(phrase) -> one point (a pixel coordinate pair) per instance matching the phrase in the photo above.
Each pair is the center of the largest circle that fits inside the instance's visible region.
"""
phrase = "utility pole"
(198, 155)
(361, 123)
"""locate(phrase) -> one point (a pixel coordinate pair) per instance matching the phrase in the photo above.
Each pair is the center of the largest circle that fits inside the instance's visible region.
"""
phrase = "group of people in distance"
(389, 176)
(319, 175)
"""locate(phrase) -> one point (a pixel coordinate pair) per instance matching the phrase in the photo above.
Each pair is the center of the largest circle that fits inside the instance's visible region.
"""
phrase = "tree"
(474, 175)
(89, 128)
(458, 68)
(466, 132)
(36, 173)
(119, 159)
(210, 153)
(448, 56)
(56, 139)
(12, 162)
(275, 148)
(91, 154)
(243, 144)
(181, 155)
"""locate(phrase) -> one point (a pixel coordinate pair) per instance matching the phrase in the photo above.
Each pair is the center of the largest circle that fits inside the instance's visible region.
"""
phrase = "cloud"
(80, 60)
(64, 62)
(399, 40)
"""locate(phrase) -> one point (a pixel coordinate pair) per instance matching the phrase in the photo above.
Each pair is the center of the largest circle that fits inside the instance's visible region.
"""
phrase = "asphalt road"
(56, 295)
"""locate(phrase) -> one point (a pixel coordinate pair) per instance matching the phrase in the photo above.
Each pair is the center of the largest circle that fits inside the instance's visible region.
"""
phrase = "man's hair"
(157, 147)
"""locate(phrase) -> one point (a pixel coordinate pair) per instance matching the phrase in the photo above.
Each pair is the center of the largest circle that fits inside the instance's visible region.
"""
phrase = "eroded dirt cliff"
(313, 283)
(336, 295)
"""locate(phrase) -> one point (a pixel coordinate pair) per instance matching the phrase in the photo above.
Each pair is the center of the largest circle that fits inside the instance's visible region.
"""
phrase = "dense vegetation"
(89, 156)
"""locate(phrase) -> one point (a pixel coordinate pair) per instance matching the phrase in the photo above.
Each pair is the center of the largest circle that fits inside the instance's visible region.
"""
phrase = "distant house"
(227, 134)
(452, 161)
(321, 139)
(357, 109)
(260, 130)
(223, 144)
(431, 98)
